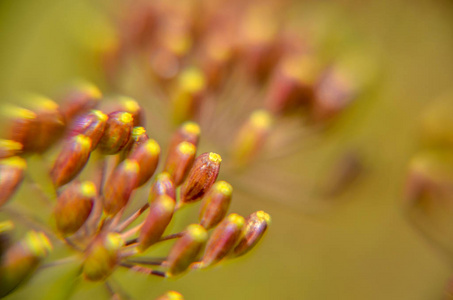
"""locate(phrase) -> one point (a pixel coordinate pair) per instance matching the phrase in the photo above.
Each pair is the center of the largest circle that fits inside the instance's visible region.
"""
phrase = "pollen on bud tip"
(197, 232)
(9, 148)
(171, 295)
(191, 127)
(192, 79)
(38, 243)
(186, 148)
(255, 226)
(261, 119)
(214, 157)
(113, 241)
(224, 188)
(117, 132)
(152, 147)
(126, 117)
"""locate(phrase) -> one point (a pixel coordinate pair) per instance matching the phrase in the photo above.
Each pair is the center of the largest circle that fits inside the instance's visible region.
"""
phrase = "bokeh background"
(355, 245)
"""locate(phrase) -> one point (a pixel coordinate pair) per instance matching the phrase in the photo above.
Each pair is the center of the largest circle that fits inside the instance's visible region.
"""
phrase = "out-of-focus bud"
(74, 206)
(9, 148)
(251, 137)
(162, 186)
(11, 176)
(201, 177)
(117, 132)
(187, 132)
(159, 216)
(138, 137)
(186, 249)
(436, 122)
(222, 240)
(215, 204)
(102, 256)
(91, 125)
(71, 159)
(171, 295)
(119, 186)
(21, 260)
(83, 97)
(253, 230)
(131, 106)
(179, 162)
(190, 88)
(21, 122)
(147, 157)
(5, 228)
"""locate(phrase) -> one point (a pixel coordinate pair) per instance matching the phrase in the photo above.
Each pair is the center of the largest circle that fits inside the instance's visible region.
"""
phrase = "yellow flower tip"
(214, 157)
(163, 176)
(197, 232)
(187, 148)
(113, 241)
(38, 243)
(261, 119)
(192, 80)
(265, 216)
(224, 188)
(41, 102)
(18, 112)
(83, 140)
(101, 116)
(130, 104)
(191, 127)
(152, 147)
(172, 295)
(88, 189)
(126, 117)
(167, 203)
(14, 161)
(6, 226)
(136, 131)
(90, 89)
(236, 219)
(131, 165)
(10, 145)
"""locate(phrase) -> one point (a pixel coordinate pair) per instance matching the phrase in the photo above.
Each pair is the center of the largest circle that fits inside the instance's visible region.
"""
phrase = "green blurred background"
(357, 245)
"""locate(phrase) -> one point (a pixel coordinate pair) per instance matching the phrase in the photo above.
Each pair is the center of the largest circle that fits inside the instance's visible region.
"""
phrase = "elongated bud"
(131, 106)
(117, 132)
(22, 122)
(171, 295)
(118, 188)
(9, 148)
(251, 137)
(187, 132)
(159, 216)
(71, 159)
(186, 249)
(255, 226)
(11, 176)
(74, 206)
(147, 157)
(162, 186)
(222, 240)
(21, 260)
(201, 177)
(102, 257)
(91, 125)
(215, 204)
(180, 161)
(138, 137)
(83, 97)
(188, 95)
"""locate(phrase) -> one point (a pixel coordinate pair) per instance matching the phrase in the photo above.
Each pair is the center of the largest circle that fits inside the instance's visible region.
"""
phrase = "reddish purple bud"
(21, 122)
(147, 157)
(71, 159)
(81, 99)
(180, 161)
(11, 176)
(74, 206)
(138, 138)
(119, 186)
(162, 186)
(171, 295)
(215, 204)
(201, 177)
(186, 249)
(187, 132)
(131, 106)
(91, 125)
(9, 148)
(117, 132)
(159, 216)
(222, 240)
(252, 232)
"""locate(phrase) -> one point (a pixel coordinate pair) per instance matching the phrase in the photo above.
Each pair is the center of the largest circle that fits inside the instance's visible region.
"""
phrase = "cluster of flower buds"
(89, 214)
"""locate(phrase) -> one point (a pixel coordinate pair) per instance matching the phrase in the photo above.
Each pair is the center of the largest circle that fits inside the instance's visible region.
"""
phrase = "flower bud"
(251, 137)
(180, 161)
(83, 97)
(91, 125)
(253, 230)
(215, 204)
(22, 121)
(159, 216)
(223, 239)
(162, 186)
(5, 228)
(11, 176)
(74, 206)
(119, 186)
(102, 256)
(21, 260)
(201, 177)
(147, 157)
(71, 159)
(138, 138)
(131, 106)
(171, 295)
(185, 250)
(9, 148)
(117, 132)
(187, 132)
